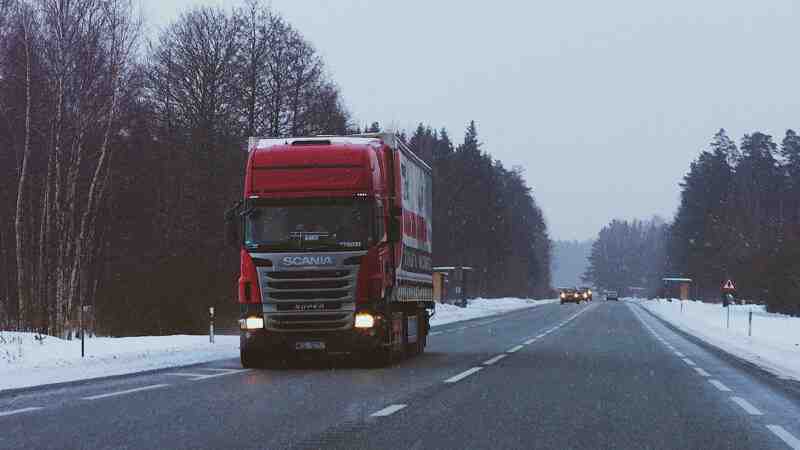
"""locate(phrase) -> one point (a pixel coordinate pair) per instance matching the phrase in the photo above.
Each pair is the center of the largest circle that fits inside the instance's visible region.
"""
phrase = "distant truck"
(335, 246)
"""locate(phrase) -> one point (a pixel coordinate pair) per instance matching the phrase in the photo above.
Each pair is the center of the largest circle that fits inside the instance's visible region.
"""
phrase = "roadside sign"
(728, 286)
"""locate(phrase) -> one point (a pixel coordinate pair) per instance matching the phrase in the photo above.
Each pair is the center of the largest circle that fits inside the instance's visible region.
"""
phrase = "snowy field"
(26, 361)
(775, 341)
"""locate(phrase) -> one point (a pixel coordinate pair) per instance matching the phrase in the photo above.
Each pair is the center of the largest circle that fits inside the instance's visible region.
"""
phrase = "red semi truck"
(335, 235)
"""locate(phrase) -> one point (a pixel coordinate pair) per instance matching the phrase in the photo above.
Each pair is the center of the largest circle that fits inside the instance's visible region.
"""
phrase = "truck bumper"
(276, 343)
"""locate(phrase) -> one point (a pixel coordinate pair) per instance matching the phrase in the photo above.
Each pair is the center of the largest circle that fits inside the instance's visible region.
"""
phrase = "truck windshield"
(310, 225)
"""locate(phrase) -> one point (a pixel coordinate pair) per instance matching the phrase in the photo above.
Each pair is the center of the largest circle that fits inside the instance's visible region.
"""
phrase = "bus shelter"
(675, 287)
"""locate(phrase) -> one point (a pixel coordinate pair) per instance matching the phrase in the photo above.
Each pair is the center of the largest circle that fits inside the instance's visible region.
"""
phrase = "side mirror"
(233, 225)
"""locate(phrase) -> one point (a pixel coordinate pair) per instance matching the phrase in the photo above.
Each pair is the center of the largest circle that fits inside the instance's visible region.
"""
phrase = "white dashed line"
(530, 341)
(491, 361)
(19, 411)
(689, 362)
(680, 354)
(787, 437)
(435, 333)
(514, 349)
(717, 384)
(388, 411)
(539, 336)
(752, 410)
(702, 372)
(463, 375)
(129, 391)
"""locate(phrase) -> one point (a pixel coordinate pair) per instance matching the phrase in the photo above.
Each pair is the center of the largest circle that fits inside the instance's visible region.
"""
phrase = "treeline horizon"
(738, 219)
(119, 156)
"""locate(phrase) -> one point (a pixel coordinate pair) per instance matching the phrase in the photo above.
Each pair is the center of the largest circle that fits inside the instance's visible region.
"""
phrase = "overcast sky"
(603, 103)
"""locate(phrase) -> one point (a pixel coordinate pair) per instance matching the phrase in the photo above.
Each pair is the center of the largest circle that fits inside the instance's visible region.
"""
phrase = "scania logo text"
(307, 261)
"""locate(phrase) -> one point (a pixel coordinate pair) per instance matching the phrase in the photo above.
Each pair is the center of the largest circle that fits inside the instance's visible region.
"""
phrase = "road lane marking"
(539, 336)
(720, 386)
(702, 372)
(491, 361)
(435, 333)
(462, 375)
(785, 436)
(230, 372)
(680, 354)
(388, 411)
(20, 411)
(514, 349)
(752, 410)
(202, 376)
(689, 362)
(491, 321)
(187, 374)
(460, 329)
(129, 391)
(530, 341)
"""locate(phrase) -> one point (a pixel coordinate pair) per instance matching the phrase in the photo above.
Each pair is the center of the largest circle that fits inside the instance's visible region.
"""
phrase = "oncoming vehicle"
(335, 242)
(586, 292)
(571, 295)
(612, 295)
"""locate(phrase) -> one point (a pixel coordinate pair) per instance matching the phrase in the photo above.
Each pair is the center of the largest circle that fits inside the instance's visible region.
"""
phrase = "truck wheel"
(251, 359)
(380, 357)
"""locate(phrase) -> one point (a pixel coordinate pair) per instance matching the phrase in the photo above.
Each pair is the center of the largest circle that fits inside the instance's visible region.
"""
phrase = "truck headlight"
(252, 323)
(364, 320)
(563, 295)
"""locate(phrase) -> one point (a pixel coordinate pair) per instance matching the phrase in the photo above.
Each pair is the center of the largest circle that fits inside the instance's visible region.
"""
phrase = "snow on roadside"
(26, 361)
(774, 345)
(482, 307)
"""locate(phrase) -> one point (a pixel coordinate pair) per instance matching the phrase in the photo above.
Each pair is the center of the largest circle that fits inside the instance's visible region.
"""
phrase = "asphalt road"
(597, 376)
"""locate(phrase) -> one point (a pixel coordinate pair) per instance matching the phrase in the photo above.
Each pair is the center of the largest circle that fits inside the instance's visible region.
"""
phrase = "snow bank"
(774, 345)
(26, 361)
(482, 307)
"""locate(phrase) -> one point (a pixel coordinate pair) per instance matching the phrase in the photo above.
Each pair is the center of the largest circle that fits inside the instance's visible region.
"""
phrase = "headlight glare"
(252, 323)
(364, 320)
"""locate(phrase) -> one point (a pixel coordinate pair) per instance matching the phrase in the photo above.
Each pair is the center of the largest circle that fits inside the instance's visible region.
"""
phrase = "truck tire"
(380, 357)
(251, 359)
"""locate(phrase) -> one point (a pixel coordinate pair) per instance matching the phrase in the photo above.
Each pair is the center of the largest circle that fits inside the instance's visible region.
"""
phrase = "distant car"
(572, 296)
(587, 291)
(612, 295)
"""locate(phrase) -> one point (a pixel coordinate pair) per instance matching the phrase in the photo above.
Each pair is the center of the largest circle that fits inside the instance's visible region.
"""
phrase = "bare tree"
(27, 24)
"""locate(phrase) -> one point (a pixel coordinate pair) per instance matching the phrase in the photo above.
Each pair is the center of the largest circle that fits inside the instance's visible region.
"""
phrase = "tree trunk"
(23, 296)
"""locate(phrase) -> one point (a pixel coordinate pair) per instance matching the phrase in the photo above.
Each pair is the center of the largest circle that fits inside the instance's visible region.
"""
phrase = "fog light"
(364, 320)
(252, 323)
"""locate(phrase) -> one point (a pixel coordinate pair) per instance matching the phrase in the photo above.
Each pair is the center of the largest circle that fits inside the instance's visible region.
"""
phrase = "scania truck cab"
(335, 247)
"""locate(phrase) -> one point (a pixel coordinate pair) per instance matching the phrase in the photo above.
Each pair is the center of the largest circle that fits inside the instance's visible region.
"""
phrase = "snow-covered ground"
(774, 344)
(482, 307)
(26, 361)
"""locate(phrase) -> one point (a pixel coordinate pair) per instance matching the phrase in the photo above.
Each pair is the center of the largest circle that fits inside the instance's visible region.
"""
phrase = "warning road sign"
(728, 286)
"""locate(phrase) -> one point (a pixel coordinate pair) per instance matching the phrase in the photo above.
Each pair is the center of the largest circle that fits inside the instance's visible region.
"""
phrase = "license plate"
(309, 306)
(309, 345)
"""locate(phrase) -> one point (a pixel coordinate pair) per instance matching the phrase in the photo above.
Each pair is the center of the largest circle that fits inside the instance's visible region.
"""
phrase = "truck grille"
(301, 299)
